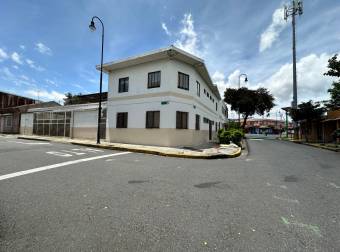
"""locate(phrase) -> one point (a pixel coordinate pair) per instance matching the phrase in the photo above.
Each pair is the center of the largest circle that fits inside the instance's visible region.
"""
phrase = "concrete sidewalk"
(326, 146)
(223, 151)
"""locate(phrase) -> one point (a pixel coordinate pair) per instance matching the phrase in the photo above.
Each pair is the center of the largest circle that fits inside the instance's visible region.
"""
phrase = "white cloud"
(51, 82)
(312, 84)
(7, 75)
(16, 58)
(46, 95)
(188, 38)
(3, 55)
(218, 78)
(165, 28)
(224, 82)
(33, 66)
(15, 67)
(271, 34)
(43, 49)
(24, 77)
(22, 47)
(80, 87)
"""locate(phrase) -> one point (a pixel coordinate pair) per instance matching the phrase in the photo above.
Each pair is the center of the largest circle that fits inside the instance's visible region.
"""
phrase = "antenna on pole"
(296, 8)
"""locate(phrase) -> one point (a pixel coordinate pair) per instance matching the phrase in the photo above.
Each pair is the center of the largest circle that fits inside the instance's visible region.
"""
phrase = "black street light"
(93, 28)
(239, 86)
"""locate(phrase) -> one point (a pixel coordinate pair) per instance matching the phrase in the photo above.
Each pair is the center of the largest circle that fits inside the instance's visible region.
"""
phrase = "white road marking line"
(281, 186)
(286, 199)
(255, 139)
(87, 149)
(28, 143)
(59, 154)
(110, 159)
(334, 185)
(75, 153)
(48, 167)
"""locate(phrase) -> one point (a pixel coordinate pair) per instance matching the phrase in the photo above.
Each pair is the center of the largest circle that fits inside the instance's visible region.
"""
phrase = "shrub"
(230, 135)
(233, 125)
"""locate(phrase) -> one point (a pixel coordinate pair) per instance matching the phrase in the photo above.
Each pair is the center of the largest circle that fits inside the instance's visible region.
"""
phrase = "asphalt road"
(280, 197)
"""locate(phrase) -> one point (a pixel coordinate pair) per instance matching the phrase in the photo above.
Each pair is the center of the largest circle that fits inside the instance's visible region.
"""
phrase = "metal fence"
(52, 123)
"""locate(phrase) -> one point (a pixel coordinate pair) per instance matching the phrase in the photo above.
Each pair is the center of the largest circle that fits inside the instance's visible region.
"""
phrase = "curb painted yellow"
(198, 155)
(313, 145)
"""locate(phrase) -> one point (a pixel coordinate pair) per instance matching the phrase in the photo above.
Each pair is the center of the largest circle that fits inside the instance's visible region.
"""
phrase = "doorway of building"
(210, 130)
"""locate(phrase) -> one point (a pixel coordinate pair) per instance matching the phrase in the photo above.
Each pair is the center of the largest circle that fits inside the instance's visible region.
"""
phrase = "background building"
(12, 106)
(269, 126)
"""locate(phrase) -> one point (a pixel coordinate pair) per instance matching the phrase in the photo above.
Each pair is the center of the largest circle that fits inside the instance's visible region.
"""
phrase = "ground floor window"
(181, 120)
(122, 120)
(197, 122)
(8, 121)
(152, 119)
(52, 124)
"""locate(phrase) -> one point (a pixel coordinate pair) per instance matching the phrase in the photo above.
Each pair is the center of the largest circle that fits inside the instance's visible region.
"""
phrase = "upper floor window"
(216, 106)
(154, 79)
(181, 120)
(123, 85)
(198, 89)
(152, 119)
(183, 81)
(122, 120)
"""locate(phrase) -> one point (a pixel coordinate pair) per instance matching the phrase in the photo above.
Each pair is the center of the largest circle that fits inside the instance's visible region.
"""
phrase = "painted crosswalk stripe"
(48, 167)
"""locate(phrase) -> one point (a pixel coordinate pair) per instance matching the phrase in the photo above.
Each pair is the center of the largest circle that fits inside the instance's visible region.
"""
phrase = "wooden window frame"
(197, 122)
(152, 123)
(123, 87)
(182, 120)
(152, 82)
(181, 85)
(124, 124)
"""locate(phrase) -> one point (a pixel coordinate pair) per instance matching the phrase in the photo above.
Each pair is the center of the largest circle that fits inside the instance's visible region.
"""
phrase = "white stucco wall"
(85, 119)
(140, 99)
(26, 123)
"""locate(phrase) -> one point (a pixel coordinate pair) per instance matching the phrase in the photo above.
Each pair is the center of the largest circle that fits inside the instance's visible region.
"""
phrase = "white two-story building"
(165, 97)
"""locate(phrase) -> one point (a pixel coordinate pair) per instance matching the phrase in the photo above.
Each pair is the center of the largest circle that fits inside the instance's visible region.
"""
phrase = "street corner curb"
(160, 153)
(34, 139)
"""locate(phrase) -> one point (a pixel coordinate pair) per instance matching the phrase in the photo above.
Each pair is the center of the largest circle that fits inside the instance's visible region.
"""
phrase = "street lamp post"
(93, 28)
(239, 86)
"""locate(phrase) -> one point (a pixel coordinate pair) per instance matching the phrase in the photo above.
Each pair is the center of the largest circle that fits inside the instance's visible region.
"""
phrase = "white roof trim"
(76, 107)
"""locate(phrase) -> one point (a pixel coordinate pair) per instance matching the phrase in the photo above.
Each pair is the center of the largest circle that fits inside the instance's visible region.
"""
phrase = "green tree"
(72, 99)
(307, 111)
(334, 91)
(249, 102)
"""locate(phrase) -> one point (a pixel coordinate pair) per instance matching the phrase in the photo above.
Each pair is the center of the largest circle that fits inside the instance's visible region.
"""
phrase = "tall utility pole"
(296, 8)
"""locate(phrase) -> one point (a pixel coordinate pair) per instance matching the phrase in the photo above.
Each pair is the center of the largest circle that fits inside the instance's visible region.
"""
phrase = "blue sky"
(46, 48)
